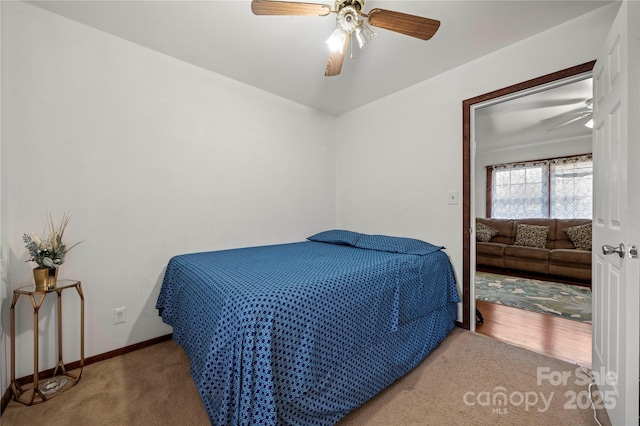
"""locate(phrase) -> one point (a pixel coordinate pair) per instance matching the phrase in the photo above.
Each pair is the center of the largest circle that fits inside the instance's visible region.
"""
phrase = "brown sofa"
(558, 259)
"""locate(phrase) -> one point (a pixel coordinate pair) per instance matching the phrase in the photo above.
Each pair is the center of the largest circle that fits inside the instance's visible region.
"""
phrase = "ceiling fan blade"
(567, 115)
(573, 120)
(267, 7)
(411, 25)
(336, 58)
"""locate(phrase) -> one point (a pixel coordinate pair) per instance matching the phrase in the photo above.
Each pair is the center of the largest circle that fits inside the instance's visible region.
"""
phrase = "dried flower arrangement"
(49, 251)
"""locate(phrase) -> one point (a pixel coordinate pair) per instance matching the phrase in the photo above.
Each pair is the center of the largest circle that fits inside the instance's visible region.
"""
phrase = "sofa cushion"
(551, 223)
(531, 235)
(525, 253)
(570, 257)
(490, 249)
(505, 229)
(580, 236)
(484, 233)
(561, 238)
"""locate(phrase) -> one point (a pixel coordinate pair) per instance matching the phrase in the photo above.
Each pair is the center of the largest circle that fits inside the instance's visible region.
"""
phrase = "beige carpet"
(455, 385)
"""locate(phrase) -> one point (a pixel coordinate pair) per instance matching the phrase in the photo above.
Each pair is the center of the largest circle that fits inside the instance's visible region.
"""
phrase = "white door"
(616, 218)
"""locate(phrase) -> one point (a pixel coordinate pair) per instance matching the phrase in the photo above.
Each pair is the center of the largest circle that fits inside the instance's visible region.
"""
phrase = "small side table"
(61, 380)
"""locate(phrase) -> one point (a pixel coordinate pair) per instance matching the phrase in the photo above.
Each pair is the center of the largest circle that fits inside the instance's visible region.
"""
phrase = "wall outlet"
(119, 315)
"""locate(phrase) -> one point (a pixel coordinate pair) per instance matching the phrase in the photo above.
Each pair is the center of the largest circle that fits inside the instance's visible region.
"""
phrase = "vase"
(45, 278)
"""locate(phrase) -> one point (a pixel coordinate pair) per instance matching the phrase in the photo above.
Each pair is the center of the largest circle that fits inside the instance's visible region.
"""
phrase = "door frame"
(467, 118)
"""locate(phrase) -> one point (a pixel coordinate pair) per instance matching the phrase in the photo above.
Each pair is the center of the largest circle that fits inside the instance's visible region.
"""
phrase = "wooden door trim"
(466, 168)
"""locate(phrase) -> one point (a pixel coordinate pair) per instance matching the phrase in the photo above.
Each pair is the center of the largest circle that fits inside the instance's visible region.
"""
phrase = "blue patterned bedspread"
(303, 333)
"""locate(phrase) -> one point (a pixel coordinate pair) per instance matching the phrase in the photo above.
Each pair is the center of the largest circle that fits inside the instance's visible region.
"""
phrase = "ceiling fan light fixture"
(336, 41)
(364, 35)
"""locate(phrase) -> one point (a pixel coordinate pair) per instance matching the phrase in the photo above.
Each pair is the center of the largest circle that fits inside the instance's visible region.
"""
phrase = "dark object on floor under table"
(479, 318)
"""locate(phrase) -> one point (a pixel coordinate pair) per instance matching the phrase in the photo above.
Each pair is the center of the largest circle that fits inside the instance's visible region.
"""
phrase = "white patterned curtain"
(555, 188)
(571, 187)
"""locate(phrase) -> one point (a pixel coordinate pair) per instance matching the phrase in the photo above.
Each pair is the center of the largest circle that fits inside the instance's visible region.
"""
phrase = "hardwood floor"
(556, 337)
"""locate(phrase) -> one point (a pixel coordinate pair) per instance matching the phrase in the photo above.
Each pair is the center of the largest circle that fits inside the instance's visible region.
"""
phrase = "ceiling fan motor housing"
(348, 15)
(347, 20)
(358, 4)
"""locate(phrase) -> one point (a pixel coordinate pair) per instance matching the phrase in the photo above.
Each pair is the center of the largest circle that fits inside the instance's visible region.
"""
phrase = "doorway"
(471, 196)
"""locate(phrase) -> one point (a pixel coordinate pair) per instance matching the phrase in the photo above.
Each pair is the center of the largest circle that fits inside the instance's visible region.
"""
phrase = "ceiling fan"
(350, 19)
(584, 113)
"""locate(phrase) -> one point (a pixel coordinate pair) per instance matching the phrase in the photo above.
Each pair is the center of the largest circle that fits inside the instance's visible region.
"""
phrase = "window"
(556, 188)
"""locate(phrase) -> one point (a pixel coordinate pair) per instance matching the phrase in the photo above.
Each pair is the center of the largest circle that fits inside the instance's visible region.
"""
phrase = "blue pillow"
(396, 244)
(336, 236)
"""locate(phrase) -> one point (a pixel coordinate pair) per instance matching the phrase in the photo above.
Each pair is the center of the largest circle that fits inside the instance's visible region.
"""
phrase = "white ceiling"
(287, 55)
(538, 117)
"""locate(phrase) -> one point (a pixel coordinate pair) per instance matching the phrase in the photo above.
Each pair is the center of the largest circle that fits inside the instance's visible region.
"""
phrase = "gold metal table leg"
(36, 309)
(60, 364)
(14, 388)
(79, 290)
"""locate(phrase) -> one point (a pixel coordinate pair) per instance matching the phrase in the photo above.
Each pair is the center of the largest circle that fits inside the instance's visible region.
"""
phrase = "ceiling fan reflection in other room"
(350, 19)
(583, 115)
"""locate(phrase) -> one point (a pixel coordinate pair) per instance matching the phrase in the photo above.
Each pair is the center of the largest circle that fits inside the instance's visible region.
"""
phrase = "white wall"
(554, 149)
(153, 157)
(4, 234)
(156, 157)
(398, 164)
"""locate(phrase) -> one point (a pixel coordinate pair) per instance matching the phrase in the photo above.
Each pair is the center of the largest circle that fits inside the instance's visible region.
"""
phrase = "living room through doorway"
(552, 335)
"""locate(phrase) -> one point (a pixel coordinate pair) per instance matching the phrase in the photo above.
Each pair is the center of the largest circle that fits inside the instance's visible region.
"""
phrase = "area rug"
(564, 300)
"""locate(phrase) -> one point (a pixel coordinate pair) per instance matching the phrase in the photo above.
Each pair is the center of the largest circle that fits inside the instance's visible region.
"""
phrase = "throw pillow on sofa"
(580, 236)
(484, 233)
(531, 235)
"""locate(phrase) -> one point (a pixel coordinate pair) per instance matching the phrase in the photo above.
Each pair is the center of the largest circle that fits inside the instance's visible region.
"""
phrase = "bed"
(303, 333)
